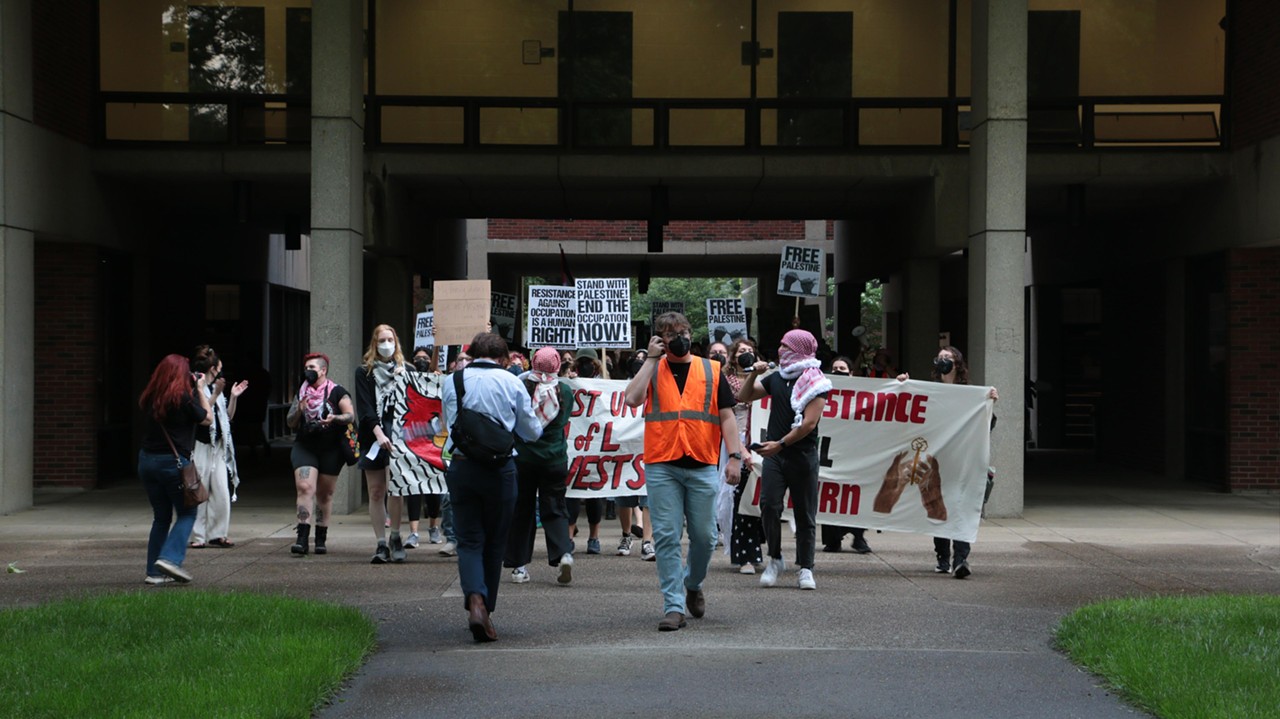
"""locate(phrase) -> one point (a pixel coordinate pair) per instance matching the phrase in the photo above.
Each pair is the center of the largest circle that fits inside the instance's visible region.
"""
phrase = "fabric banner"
(800, 272)
(606, 440)
(899, 456)
(726, 320)
(417, 441)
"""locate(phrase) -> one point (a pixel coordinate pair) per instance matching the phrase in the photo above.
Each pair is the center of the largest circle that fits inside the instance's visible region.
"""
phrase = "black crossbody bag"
(477, 436)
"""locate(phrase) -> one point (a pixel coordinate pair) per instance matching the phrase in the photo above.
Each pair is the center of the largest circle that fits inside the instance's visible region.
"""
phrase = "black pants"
(943, 548)
(793, 470)
(545, 486)
(595, 509)
(415, 503)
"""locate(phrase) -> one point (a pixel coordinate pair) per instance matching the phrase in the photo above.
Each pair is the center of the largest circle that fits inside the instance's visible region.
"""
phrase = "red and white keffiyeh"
(546, 394)
(798, 357)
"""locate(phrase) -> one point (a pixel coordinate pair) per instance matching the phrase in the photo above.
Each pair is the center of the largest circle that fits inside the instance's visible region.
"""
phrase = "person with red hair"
(175, 404)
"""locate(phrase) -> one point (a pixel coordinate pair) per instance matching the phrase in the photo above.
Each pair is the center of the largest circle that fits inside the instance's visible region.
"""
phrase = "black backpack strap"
(459, 388)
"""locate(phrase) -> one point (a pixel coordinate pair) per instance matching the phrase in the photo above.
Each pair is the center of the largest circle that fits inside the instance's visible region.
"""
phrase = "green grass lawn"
(1183, 657)
(181, 653)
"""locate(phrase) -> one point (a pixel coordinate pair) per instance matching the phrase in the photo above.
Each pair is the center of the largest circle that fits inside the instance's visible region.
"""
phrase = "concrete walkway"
(883, 635)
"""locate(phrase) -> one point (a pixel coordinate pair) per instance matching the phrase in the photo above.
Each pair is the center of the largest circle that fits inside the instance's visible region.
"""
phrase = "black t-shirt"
(328, 435)
(780, 413)
(724, 398)
(180, 423)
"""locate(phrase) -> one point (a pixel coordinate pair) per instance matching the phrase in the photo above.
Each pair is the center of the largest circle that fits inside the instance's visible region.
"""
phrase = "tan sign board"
(461, 310)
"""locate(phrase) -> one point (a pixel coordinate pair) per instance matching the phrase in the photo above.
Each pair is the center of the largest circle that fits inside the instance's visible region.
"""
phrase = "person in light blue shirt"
(484, 498)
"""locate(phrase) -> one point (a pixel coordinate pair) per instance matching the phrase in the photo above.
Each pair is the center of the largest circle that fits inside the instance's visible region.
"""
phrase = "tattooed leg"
(304, 514)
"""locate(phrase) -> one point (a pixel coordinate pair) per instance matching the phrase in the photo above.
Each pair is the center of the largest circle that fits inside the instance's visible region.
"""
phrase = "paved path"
(882, 637)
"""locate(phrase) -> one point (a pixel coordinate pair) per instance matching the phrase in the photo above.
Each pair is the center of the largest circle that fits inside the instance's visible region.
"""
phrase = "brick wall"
(68, 359)
(637, 230)
(63, 82)
(1255, 65)
(1253, 384)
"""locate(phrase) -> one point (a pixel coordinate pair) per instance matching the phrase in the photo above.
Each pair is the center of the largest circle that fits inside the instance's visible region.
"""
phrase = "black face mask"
(943, 366)
(745, 361)
(634, 367)
(423, 364)
(586, 370)
(679, 346)
(312, 376)
(719, 358)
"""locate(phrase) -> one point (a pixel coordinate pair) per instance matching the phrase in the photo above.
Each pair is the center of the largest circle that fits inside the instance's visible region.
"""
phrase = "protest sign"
(800, 272)
(552, 320)
(424, 334)
(901, 456)
(604, 312)
(726, 320)
(606, 441)
(502, 311)
(461, 310)
(660, 307)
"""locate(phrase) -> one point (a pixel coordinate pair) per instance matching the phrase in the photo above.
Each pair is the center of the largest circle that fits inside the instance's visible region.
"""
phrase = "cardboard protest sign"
(461, 310)
(552, 320)
(726, 320)
(604, 312)
(800, 272)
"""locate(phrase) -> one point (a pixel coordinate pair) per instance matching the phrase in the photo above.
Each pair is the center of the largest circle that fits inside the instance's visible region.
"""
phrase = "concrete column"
(997, 232)
(921, 315)
(1175, 374)
(337, 201)
(17, 262)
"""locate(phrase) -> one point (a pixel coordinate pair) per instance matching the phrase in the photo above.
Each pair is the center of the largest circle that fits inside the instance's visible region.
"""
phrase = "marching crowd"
(506, 417)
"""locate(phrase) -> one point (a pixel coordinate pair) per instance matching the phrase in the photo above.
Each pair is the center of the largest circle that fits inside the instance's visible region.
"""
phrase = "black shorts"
(326, 457)
(380, 462)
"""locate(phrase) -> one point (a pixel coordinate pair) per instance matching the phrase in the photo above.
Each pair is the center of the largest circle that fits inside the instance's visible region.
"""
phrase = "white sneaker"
(566, 569)
(806, 580)
(412, 541)
(178, 573)
(747, 569)
(434, 536)
(624, 546)
(449, 549)
(772, 569)
(647, 552)
(158, 580)
(519, 575)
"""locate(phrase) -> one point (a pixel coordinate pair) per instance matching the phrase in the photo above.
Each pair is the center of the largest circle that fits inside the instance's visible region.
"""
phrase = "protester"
(419, 504)
(215, 455)
(797, 393)
(633, 510)
(881, 365)
(688, 408)
(379, 385)
(320, 414)
(175, 405)
(484, 498)
(833, 535)
(949, 367)
(542, 468)
(842, 365)
(745, 535)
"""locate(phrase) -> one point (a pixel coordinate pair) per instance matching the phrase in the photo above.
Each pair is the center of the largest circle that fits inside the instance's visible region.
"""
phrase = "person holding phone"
(746, 534)
(797, 393)
(688, 412)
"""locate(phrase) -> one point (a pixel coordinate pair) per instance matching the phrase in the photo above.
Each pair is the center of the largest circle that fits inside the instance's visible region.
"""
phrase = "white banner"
(606, 440)
(552, 320)
(424, 330)
(900, 456)
(800, 272)
(726, 320)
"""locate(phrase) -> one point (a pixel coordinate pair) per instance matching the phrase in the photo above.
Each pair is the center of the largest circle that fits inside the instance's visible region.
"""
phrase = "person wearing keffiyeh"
(542, 466)
(797, 393)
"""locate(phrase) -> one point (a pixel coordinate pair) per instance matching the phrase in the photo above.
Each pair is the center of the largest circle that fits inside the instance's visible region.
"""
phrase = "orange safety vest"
(683, 425)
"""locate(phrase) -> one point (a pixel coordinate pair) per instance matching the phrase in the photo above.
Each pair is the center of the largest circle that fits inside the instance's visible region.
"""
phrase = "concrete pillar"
(997, 232)
(921, 316)
(17, 262)
(337, 201)
(1175, 374)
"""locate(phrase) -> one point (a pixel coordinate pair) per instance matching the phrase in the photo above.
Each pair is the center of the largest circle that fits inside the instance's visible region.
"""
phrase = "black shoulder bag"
(477, 436)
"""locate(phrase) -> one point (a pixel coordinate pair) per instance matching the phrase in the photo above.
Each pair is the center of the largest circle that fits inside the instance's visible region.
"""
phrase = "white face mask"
(386, 349)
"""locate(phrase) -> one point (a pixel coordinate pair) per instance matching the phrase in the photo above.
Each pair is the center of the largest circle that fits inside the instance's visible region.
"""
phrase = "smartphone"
(755, 446)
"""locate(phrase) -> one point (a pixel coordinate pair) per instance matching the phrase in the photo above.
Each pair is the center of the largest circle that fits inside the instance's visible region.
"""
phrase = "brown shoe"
(696, 602)
(478, 620)
(672, 622)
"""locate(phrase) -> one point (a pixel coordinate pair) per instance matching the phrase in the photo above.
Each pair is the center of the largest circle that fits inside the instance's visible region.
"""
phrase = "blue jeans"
(677, 497)
(484, 501)
(162, 480)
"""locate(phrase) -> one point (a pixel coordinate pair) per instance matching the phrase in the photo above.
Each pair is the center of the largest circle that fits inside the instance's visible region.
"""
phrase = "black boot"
(860, 541)
(304, 533)
(942, 550)
(322, 533)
